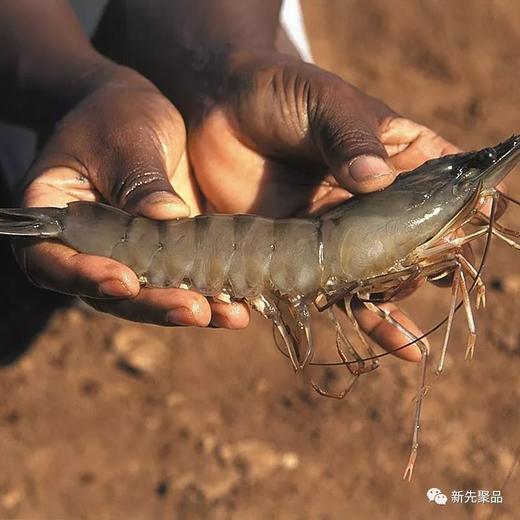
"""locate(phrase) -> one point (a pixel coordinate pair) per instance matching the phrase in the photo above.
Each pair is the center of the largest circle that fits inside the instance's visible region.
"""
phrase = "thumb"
(351, 149)
(141, 182)
(145, 189)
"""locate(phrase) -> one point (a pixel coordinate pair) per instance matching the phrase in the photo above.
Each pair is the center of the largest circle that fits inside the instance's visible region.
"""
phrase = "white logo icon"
(441, 499)
(437, 496)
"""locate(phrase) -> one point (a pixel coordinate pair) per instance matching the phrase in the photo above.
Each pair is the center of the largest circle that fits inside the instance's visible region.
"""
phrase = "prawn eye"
(487, 156)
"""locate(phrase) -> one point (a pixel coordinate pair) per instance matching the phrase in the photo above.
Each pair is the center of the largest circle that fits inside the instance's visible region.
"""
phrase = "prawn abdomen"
(241, 255)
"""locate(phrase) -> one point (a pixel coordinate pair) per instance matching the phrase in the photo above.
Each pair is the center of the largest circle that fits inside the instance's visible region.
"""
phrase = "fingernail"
(367, 167)
(180, 316)
(114, 289)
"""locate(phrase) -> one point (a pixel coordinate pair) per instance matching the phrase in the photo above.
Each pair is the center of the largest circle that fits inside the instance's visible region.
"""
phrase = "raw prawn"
(369, 248)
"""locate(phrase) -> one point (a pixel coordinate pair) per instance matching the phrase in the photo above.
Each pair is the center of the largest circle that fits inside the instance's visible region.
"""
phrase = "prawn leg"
(355, 373)
(423, 346)
(300, 313)
(342, 338)
(501, 232)
(401, 286)
(341, 293)
(334, 395)
(453, 306)
(471, 271)
(472, 337)
(505, 238)
(268, 308)
(499, 227)
(455, 243)
(350, 314)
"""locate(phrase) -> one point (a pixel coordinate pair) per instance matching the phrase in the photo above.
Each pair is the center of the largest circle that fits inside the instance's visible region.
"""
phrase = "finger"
(145, 160)
(501, 204)
(233, 315)
(388, 336)
(143, 187)
(351, 149)
(57, 267)
(140, 174)
(409, 144)
(166, 307)
(175, 307)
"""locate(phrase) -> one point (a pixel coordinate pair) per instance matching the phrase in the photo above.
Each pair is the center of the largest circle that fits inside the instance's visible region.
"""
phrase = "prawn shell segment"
(139, 245)
(173, 264)
(94, 228)
(212, 252)
(296, 264)
(249, 266)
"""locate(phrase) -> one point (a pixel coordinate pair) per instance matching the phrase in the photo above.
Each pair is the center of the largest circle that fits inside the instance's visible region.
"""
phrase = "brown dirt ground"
(105, 419)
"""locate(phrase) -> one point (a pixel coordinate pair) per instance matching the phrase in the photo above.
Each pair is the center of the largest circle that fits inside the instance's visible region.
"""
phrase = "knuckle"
(355, 134)
(138, 180)
(351, 138)
(346, 133)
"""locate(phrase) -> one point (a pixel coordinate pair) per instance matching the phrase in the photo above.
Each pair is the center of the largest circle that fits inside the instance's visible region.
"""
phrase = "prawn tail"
(31, 222)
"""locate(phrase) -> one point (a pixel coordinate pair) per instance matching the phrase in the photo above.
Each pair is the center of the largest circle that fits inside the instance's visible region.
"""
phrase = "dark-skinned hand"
(287, 138)
(124, 144)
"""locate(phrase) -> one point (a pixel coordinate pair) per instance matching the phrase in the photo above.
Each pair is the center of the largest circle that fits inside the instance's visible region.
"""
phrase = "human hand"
(267, 133)
(285, 138)
(123, 143)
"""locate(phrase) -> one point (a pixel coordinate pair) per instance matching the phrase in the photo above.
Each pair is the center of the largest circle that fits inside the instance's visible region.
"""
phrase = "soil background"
(104, 419)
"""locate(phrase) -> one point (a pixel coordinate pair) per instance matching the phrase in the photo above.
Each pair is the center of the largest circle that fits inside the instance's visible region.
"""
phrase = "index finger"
(57, 267)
